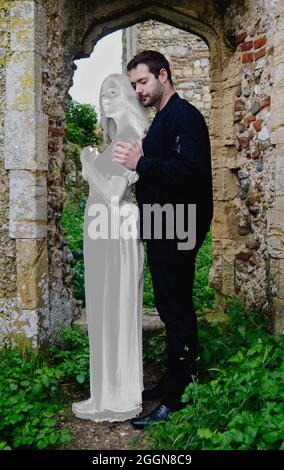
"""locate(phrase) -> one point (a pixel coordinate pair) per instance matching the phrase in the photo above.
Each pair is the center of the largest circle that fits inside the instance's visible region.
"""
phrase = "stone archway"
(45, 39)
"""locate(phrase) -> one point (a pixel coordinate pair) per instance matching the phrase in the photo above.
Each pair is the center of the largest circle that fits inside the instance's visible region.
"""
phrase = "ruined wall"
(40, 42)
(188, 56)
(36, 297)
(276, 214)
(7, 245)
(245, 253)
(57, 72)
(24, 255)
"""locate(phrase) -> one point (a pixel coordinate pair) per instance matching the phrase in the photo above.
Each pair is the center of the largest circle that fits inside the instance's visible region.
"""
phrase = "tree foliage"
(82, 125)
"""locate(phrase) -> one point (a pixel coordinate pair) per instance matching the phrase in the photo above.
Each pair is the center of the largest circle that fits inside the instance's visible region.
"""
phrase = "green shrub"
(203, 294)
(73, 224)
(240, 405)
(71, 358)
(154, 350)
(148, 299)
(81, 120)
(235, 404)
(30, 397)
(36, 386)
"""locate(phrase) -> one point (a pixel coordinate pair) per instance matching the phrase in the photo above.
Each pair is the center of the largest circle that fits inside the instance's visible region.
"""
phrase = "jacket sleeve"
(189, 151)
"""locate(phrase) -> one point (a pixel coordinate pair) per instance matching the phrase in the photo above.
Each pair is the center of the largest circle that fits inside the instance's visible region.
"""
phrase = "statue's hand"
(88, 154)
(87, 158)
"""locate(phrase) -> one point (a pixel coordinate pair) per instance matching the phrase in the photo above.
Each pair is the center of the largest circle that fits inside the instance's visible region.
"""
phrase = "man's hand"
(127, 154)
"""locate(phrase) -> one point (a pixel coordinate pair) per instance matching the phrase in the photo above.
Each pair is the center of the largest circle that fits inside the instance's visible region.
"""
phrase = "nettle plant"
(35, 391)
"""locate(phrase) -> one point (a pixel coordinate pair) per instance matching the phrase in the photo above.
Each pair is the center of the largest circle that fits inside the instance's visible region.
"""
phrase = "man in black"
(174, 167)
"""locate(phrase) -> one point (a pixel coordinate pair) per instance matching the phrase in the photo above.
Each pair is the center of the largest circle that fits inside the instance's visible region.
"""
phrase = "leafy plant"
(73, 222)
(239, 404)
(236, 403)
(154, 349)
(148, 299)
(71, 358)
(30, 397)
(203, 294)
(36, 388)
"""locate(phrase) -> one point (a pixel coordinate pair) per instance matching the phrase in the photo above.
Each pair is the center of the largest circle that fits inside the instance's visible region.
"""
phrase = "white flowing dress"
(114, 296)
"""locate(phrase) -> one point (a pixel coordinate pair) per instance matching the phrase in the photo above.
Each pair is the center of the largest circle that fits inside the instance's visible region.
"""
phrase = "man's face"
(148, 88)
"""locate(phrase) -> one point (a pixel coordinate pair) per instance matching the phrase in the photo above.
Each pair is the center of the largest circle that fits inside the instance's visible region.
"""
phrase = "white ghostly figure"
(113, 266)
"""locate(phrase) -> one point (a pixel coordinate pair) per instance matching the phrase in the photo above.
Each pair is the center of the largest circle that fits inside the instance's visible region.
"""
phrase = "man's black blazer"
(176, 165)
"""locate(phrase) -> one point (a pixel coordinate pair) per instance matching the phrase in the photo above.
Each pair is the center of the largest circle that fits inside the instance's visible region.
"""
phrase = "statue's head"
(118, 100)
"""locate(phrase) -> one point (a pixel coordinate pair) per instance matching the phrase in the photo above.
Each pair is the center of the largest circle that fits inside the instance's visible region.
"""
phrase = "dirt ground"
(89, 435)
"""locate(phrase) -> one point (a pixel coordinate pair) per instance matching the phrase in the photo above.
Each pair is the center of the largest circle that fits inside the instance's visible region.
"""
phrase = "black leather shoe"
(151, 393)
(158, 414)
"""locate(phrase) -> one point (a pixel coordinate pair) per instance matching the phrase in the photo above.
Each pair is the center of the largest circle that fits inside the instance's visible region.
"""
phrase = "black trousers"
(172, 272)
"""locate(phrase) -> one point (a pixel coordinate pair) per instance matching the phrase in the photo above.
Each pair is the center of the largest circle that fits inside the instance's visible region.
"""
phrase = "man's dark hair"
(155, 61)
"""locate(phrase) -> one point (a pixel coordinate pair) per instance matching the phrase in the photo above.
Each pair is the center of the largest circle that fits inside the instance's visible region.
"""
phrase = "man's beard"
(147, 102)
(151, 100)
